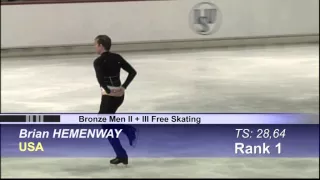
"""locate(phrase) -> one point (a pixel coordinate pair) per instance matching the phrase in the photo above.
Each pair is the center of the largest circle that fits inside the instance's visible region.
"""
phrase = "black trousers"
(109, 105)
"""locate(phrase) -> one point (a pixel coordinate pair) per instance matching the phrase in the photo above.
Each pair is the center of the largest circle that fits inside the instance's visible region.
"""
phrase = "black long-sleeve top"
(107, 68)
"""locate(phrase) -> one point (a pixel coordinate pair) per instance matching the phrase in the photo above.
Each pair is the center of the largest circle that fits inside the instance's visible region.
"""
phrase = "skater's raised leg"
(131, 133)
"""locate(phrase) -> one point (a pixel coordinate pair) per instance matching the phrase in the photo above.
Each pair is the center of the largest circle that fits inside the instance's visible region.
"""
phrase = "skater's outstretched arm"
(131, 71)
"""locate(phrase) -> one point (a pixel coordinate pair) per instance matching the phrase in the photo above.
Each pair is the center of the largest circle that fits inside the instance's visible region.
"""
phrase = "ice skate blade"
(119, 165)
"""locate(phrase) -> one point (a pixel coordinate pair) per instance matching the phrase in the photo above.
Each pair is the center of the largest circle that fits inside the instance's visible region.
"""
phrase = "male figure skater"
(107, 67)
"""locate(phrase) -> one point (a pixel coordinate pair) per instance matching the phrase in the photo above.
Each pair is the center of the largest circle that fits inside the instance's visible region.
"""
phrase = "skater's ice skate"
(117, 161)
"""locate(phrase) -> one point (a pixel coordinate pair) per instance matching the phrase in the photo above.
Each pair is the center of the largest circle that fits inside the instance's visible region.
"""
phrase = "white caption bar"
(174, 119)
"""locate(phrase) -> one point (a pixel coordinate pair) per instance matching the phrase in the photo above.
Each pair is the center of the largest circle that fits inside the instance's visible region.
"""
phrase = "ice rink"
(261, 79)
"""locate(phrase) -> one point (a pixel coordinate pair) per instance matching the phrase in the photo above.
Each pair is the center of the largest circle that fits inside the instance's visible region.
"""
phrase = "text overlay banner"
(164, 118)
(242, 140)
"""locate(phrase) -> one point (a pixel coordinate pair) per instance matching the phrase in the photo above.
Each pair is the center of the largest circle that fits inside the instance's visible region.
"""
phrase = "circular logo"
(205, 18)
